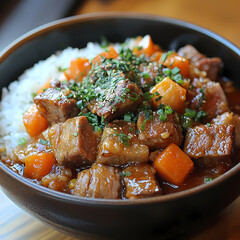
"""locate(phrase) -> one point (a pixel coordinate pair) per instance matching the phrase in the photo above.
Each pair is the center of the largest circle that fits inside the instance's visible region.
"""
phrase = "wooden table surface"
(222, 17)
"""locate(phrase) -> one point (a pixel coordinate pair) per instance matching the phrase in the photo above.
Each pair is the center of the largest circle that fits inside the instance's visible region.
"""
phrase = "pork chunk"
(119, 145)
(211, 99)
(212, 66)
(73, 142)
(99, 181)
(230, 119)
(157, 134)
(122, 98)
(54, 105)
(212, 141)
(140, 181)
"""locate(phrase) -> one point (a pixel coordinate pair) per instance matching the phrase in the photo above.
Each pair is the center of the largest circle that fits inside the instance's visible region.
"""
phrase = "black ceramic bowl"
(163, 216)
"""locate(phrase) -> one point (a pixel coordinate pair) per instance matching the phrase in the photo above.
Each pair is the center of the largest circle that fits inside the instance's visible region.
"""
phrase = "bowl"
(164, 216)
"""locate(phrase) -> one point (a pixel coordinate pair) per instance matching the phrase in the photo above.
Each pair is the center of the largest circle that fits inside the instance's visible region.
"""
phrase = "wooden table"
(220, 16)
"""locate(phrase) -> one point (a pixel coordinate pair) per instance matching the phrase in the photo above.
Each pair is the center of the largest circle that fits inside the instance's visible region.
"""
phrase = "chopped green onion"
(127, 117)
(208, 124)
(165, 55)
(162, 116)
(34, 95)
(168, 110)
(133, 98)
(190, 113)
(166, 71)
(97, 129)
(75, 134)
(21, 141)
(127, 174)
(175, 70)
(145, 74)
(207, 180)
(43, 142)
(148, 96)
(201, 114)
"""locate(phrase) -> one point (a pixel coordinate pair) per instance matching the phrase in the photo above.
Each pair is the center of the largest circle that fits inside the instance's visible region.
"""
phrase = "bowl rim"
(61, 23)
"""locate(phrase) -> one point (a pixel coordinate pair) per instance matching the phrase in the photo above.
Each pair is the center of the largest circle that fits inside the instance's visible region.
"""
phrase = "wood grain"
(220, 16)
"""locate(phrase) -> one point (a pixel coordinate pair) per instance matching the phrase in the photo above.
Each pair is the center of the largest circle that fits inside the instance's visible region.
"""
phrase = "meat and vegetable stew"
(135, 121)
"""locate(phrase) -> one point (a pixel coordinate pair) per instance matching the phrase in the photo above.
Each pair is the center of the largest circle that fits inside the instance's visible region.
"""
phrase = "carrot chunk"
(110, 53)
(45, 86)
(34, 122)
(39, 165)
(146, 46)
(173, 165)
(174, 60)
(169, 93)
(78, 69)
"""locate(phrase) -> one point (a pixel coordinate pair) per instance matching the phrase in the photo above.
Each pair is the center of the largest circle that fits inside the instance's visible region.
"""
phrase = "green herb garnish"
(21, 141)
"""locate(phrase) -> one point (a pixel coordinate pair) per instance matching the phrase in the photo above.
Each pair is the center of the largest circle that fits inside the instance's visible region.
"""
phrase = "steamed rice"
(18, 97)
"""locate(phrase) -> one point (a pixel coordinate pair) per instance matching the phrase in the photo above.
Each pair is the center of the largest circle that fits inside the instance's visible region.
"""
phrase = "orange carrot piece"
(45, 86)
(174, 60)
(34, 122)
(172, 94)
(110, 53)
(78, 69)
(39, 165)
(173, 165)
(147, 46)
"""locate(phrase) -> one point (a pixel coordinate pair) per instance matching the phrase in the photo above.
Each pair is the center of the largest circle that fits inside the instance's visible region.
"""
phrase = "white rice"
(17, 98)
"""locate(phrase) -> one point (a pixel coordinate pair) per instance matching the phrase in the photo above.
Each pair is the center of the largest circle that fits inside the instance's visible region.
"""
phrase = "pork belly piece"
(147, 80)
(34, 146)
(230, 119)
(212, 66)
(157, 134)
(124, 97)
(119, 145)
(140, 181)
(55, 105)
(211, 99)
(99, 181)
(212, 141)
(73, 142)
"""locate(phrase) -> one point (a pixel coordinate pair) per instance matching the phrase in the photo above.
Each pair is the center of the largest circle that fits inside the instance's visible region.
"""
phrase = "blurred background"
(20, 16)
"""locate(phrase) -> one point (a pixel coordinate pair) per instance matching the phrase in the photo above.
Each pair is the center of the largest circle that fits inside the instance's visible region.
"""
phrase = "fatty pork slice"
(122, 98)
(140, 181)
(157, 134)
(119, 145)
(73, 142)
(212, 66)
(99, 181)
(211, 99)
(229, 118)
(55, 105)
(214, 141)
